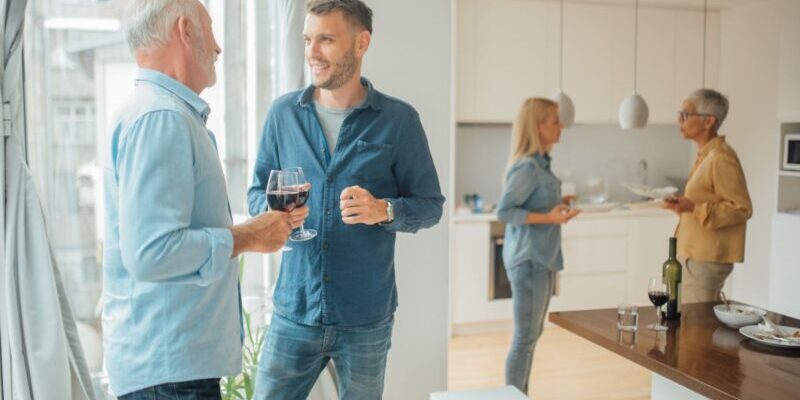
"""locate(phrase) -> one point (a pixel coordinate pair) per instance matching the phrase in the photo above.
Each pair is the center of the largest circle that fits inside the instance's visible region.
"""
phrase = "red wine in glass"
(302, 196)
(303, 191)
(282, 200)
(658, 293)
(658, 298)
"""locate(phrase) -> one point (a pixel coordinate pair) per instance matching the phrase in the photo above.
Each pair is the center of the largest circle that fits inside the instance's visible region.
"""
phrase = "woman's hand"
(568, 200)
(678, 204)
(561, 214)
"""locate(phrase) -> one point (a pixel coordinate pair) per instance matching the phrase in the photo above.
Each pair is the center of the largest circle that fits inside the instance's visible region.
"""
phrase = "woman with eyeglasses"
(533, 209)
(715, 206)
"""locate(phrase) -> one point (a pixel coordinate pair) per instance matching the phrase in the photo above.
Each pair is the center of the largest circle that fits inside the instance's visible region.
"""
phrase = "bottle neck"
(673, 244)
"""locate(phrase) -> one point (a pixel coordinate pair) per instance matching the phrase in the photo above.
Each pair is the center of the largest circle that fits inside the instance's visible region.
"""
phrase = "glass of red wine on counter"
(282, 192)
(659, 295)
(303, 190)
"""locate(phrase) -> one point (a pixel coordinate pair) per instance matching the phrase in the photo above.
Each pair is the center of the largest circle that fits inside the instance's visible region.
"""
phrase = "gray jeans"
(531, 289)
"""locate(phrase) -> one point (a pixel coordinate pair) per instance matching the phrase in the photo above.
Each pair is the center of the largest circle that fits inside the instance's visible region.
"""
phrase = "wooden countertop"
(697, 352)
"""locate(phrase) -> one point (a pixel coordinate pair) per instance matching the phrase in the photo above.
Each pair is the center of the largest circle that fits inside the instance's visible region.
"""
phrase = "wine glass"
(303, 190)
(282, 193)
(659, 295)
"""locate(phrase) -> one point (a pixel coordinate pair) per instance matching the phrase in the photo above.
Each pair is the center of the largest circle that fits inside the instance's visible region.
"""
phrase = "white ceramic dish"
(651, 193)
(756, 333)
(739, 315)
(655, 203)
(594, 208)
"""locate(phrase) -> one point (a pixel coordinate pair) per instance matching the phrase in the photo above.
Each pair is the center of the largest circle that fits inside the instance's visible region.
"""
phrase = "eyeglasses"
(684, 115)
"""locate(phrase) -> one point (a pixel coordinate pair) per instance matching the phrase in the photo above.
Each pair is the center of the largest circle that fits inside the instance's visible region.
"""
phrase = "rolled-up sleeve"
(155, 168)
(521, 181)
(420, 200)
(734, 206)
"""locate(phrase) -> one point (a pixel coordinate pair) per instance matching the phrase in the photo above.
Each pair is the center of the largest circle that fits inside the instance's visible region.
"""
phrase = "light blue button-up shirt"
(171, 309)
(531, 187)
(345, 276)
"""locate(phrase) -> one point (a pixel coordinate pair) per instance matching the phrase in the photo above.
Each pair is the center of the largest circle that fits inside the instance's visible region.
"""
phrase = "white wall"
(785, 273)
(410, 58)
(750, 52)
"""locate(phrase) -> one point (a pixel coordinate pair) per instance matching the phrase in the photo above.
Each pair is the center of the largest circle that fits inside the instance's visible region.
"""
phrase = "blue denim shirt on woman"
(531, 188)
(345, 276)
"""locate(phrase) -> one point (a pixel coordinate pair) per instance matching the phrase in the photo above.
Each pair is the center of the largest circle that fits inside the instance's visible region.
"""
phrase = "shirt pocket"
(373, 161)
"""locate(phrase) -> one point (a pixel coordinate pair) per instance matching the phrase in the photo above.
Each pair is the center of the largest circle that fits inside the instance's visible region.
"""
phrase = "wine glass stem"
(658, 315)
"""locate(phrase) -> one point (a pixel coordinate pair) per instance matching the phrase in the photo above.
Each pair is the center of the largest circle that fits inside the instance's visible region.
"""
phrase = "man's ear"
(363, 40)
(184, 30)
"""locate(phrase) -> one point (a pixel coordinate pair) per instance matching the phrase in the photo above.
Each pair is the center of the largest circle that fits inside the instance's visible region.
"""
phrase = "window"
(78, 71)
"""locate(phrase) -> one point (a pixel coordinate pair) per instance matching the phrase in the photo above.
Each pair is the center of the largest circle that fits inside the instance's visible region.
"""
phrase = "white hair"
(148, 23)
(711, 102)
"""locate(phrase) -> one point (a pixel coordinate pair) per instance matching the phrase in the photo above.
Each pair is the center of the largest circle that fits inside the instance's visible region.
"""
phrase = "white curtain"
(289, 17)
(41, 353)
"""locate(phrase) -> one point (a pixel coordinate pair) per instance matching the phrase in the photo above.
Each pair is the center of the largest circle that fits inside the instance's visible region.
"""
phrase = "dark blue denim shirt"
(345, 276)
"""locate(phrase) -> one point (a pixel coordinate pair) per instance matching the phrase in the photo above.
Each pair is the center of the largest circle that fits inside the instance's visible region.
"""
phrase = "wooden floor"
(565, 366)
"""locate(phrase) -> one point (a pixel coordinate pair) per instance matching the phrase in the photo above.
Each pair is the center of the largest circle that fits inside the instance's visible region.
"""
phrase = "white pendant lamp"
(633, 111)
(566, 109)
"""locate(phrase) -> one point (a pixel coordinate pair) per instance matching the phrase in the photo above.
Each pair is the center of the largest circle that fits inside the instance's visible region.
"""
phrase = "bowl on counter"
(739, 315)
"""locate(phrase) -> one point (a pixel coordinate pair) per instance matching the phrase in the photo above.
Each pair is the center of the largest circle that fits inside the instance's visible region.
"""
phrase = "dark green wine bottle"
(671, 273)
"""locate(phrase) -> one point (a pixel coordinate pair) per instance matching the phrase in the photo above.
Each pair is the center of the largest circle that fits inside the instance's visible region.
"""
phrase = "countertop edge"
(616, 213)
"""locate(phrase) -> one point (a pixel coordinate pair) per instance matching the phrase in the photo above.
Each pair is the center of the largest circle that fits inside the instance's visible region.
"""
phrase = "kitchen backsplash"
(585, 151)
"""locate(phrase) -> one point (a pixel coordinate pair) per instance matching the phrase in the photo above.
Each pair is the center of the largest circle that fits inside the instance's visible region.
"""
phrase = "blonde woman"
(533, 209)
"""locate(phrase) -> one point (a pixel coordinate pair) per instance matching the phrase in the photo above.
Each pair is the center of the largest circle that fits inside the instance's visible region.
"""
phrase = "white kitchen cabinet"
(608, 259)
(507, 50)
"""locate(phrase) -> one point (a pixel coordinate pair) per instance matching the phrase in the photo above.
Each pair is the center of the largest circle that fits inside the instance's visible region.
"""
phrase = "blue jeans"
(203, 389)
(294, 355)
(531, 289)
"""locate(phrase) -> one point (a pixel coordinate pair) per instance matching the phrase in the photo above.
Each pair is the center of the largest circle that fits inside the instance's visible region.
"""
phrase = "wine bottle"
(671, 273)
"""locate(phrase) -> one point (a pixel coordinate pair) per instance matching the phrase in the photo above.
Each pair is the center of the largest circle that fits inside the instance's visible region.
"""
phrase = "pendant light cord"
(561, 52)
(635, 45)
(705, 28)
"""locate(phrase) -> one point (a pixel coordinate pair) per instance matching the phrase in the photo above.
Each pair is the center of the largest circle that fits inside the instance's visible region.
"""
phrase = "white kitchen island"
(608, 259)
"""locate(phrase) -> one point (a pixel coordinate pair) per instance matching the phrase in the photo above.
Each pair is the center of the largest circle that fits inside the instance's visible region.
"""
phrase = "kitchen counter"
(697, 357)
(621, 212)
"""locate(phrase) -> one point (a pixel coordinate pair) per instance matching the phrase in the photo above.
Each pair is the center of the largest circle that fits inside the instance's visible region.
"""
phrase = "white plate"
(753, 332)
(651, 193)
(655, 203)
(593, 208)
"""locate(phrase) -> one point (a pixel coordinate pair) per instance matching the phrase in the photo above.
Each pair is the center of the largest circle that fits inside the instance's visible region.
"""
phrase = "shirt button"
(325, 246)
(330, 179)
(327, 211)
(327, 278)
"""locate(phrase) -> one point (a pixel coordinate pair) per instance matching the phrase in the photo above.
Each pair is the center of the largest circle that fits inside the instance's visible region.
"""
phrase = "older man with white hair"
(172, 309)
(716, 204)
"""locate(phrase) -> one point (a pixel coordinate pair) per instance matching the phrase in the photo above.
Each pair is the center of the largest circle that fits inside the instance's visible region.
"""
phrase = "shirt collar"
(306, 97)
(168, 83)
(542, 159)
(711, 145)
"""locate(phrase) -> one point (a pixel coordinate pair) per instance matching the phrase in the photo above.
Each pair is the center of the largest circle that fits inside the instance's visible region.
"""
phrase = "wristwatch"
(389, 213)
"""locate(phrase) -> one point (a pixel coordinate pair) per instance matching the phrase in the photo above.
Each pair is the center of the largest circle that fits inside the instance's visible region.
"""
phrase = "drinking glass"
(303, 190)
(282, 193)
(627, 317)
(659, 295)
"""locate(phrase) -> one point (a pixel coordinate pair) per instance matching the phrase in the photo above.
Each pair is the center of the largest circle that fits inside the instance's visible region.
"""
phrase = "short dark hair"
(353, 10)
